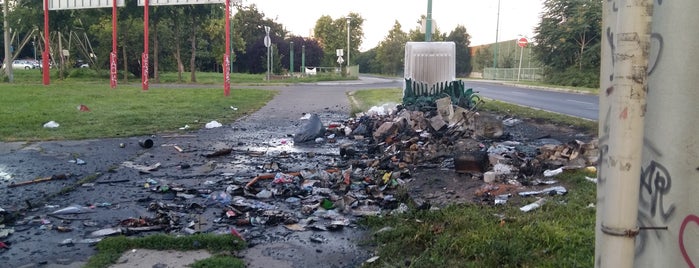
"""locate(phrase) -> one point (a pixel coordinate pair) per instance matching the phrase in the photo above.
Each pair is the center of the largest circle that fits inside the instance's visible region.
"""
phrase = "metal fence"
(352, 71)
(514, 74)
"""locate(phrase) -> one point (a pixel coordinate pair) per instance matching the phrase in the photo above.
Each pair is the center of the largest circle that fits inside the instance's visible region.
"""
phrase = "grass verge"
(26, 107)
(110, 249)
(508, 109)
(558, 234)
(363, 100)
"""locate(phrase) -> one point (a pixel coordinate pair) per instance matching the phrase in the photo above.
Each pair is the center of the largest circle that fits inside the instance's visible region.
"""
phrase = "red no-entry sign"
(522, 42)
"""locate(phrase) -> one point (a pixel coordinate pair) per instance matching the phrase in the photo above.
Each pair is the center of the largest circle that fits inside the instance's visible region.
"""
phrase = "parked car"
(81, 64)
(22, 64)
(35, 63)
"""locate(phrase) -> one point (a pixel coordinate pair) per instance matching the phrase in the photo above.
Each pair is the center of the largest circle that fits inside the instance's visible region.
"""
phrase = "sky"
(517, 18)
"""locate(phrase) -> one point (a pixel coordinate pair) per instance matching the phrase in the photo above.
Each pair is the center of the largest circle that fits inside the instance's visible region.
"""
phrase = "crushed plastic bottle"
(219, 197)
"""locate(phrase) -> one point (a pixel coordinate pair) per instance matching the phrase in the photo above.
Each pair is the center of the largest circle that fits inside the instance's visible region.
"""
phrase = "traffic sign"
(340, 60)
(522, 42)
(268, 42)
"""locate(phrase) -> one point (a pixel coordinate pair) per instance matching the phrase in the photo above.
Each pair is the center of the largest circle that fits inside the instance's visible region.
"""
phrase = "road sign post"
(268, 43)
(522, 42)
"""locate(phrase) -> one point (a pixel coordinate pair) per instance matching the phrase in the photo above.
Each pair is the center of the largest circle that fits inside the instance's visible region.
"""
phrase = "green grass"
(559, 234)
(34, 76)
(508, 109)
(587, 90)
(121, 112)
(110, 249)
(363, 100)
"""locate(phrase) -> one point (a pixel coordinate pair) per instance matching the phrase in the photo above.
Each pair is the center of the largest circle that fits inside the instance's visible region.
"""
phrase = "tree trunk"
(192, 63)
(156, 74)
(178, 55)
(582, 49)
(126, 66)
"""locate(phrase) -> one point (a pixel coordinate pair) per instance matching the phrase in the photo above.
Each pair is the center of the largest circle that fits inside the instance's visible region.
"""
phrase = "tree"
(462, 40)
(250, 24)
(367, 62)
(314, 53)
(416, 34)
(568, 40)
(332, 35)
(483, 58)
(391, 51)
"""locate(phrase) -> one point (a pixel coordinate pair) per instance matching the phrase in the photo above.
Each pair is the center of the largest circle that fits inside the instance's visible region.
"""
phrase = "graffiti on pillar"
(687, 220)
(653, 210)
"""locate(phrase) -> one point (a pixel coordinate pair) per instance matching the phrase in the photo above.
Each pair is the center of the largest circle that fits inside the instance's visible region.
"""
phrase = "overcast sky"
(517, 17)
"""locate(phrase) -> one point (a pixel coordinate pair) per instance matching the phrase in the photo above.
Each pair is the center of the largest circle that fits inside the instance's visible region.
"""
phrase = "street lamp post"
(495, 55)
(348, 43)
(291, 58)
(428, 22)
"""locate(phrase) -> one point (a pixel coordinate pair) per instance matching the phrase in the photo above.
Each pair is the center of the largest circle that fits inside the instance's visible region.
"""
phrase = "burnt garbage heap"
(377, 153)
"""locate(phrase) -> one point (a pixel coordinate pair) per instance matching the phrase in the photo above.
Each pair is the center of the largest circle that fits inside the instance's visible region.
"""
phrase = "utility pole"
(428, 23)
(303, 59)
(495, 55)
(7, 63)
(348, 42)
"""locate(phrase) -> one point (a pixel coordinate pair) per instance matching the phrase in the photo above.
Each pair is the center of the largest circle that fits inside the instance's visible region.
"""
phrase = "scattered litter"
(83, 108)
(234, 108)
(593, 180)
(213, 124)
(220, 152)
(502, 199)
(73, 209)
(51, 124)
(310, 130)
(77, 161)
(5, 232)
(547, 182)
(185, 127)
(511, 121)
(107, 232)
(43, 179)
(141, 168)
(372, 259)
(533, 206)
(556, 190)
(147, 143)
(219, 197)
(554, 172)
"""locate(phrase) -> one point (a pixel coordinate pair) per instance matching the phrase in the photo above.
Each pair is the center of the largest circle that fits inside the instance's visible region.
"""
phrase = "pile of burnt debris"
(377, 154)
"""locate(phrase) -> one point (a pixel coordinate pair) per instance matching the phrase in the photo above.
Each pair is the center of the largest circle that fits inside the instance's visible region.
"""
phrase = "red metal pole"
(112, 56)
(226, 55)
(144, 56)
(45, 54)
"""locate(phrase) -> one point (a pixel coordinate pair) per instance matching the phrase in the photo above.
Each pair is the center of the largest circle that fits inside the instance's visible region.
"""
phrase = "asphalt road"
(579, 105)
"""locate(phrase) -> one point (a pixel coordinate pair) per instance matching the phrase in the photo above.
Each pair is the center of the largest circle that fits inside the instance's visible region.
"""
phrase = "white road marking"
(583, 102)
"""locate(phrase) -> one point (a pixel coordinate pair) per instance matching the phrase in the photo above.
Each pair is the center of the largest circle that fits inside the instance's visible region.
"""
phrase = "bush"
(572, 77)
(82, 73)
